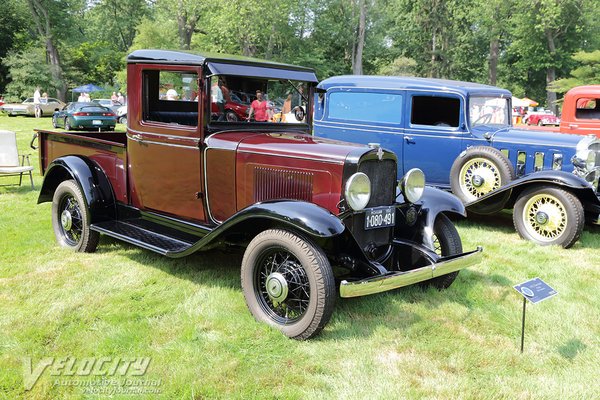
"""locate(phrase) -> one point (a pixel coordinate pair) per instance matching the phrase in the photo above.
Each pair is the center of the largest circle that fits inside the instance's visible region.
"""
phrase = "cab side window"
(170, 97)
(365, 107)
(435, 111)
(587, 108)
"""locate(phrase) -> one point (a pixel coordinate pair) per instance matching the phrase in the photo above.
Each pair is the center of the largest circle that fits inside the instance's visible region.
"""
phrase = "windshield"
(254, 100)
(488, 111)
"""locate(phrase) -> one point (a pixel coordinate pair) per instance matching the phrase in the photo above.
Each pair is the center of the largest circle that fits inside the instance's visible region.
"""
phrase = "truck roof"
(404, 82)
(587, 90)
(222, 63)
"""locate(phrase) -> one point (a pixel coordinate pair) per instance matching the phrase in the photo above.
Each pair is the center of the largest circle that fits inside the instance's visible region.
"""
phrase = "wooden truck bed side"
(108, 150)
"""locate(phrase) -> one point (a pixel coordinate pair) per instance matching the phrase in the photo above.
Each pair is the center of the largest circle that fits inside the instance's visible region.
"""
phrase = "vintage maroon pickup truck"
(309, 212)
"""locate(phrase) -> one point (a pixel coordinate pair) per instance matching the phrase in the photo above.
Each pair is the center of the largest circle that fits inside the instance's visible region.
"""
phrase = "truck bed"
(107, 149)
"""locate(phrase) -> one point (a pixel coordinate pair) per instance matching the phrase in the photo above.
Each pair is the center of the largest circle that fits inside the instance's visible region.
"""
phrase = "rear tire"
(288, 283)
(71, 219)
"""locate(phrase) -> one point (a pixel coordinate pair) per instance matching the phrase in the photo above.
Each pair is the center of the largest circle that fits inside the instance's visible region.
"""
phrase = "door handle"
(573, 126)
(137, 137)
(409, 139)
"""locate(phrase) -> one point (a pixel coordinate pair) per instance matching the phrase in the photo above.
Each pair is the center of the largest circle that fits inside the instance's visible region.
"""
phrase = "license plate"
(380, 217)
(96, 122)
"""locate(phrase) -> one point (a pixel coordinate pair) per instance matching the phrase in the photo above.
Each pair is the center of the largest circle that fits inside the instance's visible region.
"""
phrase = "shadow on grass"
(353, 317)
(570, 349)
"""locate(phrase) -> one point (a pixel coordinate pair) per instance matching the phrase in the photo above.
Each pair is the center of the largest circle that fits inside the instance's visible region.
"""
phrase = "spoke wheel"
(284, 289)
(231, 116)
(288, 283)
(70, 219)
(477, 172)
(549, 215)
(478, 177)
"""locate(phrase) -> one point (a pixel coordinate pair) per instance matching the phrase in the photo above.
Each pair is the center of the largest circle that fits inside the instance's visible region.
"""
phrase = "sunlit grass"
(189, 316)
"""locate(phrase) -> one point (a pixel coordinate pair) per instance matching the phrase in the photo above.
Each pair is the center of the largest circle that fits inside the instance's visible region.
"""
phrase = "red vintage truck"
(580, 112)
(311, 213)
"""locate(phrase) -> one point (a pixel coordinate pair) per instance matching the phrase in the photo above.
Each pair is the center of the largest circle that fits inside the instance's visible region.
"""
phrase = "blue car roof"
(404, 82)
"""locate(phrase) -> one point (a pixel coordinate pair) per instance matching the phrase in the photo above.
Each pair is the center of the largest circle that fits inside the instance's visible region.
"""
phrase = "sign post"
(534, 290)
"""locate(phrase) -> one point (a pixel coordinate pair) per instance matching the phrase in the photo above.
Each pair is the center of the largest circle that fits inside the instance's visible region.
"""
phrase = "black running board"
(131, 232)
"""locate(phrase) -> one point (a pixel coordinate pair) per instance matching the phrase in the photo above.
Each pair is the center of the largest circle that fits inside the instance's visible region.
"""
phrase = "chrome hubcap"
(478, 177)
(277, 287)
(545, 217)
(66, 220)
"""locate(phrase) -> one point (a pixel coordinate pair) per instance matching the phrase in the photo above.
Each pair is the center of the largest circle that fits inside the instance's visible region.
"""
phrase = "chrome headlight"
(358, 191)
(585, 159)
(412, 185)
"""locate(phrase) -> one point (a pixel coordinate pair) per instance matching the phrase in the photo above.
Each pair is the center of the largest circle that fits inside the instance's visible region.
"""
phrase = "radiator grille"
(383, 181)
(271, 184)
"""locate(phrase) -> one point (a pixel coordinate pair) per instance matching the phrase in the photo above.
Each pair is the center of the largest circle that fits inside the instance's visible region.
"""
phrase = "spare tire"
(478, 171)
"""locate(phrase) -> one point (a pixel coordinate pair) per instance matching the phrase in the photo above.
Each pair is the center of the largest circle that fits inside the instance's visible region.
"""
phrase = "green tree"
(28, 69)
(587, 73)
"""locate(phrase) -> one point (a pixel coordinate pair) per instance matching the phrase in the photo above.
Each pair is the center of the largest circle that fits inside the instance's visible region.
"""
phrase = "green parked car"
(85, 116)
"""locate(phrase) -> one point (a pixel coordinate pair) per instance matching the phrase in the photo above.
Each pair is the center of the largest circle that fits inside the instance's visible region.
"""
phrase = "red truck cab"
(580, 113)
(310, 213)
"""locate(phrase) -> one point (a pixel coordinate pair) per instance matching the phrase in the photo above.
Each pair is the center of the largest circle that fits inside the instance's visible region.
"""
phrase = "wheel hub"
(541, 218)
(66, 220)
(277, 287)
(478, 180)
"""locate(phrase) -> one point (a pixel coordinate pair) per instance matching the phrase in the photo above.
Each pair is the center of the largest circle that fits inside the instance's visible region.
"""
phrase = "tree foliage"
(522, 46)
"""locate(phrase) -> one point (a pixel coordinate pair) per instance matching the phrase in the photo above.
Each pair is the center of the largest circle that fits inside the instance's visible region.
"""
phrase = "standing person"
(120, 98)
(81, 98)
(259, 108)
(225, 90)
(87, 97)
(216, 95)
(114, 98)
(36, 102)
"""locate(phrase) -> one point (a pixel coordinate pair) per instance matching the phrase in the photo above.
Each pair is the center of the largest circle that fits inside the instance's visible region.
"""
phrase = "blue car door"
(435, 132)
(362, 116)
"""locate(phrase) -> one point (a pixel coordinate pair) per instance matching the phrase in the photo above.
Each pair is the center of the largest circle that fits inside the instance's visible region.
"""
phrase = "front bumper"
(394, 280)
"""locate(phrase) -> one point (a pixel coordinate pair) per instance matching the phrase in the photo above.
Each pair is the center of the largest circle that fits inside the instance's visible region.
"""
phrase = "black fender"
(566, 180)
(94, 184)
(306, 218)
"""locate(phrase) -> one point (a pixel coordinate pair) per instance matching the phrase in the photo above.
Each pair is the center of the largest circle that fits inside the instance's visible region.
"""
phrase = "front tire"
(288, 283)
(54, 122)
(231, 116)
(549, 215)
(71, 219)
(479, 171)
(446, 242)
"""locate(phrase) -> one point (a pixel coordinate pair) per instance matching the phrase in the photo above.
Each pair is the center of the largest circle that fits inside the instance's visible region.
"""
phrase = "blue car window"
(366, 107)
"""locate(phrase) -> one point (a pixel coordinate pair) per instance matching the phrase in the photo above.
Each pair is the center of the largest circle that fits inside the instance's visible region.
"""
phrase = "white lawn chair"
(9, 158)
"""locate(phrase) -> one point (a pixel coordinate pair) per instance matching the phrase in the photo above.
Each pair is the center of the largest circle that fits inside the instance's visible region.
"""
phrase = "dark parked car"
(84, 116)
(311, 214)
(460, 135)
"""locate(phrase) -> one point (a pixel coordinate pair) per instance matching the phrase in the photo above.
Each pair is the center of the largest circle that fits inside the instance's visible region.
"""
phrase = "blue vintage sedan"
(85, 116)
(460, 135)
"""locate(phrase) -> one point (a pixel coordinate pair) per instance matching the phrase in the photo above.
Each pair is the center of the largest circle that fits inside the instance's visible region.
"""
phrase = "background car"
(235, 110)
(28, 108)
(122, 114)
(85, 116)
(108, 103)
(543, 118)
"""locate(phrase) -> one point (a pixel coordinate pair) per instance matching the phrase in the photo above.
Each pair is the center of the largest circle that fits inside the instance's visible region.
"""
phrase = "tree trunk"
(185, 26)
(551, 72)
(42, 24)
(357, 64)
(433, 51)
(493, 66)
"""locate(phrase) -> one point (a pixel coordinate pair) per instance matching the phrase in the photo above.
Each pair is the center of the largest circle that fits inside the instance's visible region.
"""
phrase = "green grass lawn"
(190, 318)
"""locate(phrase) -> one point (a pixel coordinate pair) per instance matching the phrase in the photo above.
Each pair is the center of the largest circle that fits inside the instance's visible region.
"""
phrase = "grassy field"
(190, 318)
